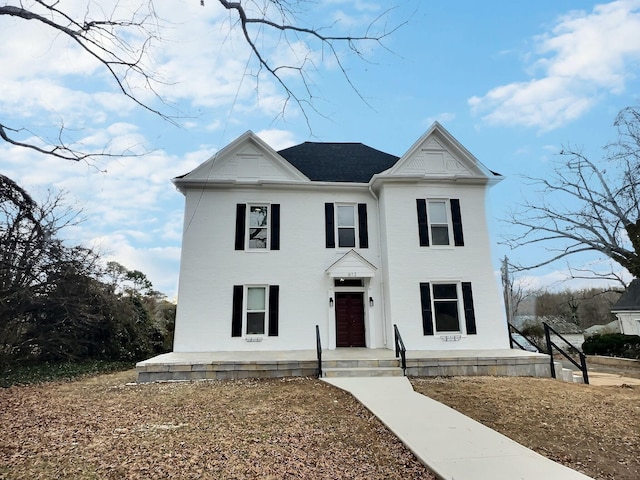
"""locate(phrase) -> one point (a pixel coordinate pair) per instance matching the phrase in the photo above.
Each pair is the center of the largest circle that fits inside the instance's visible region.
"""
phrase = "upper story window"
(259, 228)
(347, 222)
(439, 222)
(346, 216)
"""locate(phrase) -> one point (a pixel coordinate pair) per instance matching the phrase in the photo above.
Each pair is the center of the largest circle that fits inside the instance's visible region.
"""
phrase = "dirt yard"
(595, 430)
(294, 428)
(277, 429)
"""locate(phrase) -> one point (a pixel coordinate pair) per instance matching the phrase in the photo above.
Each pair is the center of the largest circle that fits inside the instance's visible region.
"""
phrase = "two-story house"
(342, 236)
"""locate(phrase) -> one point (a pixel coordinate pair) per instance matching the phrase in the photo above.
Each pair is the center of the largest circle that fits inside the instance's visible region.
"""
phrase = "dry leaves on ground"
(592, 429)
(270, 429)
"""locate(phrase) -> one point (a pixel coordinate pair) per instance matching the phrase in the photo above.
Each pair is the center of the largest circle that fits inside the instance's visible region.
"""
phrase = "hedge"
(613, 345)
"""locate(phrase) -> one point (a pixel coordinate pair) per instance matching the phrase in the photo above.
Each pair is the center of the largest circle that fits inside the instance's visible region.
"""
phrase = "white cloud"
(277, 139)
(132, 212)
(585, 55)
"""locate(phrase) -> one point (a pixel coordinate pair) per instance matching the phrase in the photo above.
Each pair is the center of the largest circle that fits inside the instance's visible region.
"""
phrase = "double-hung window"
(346, 216)
(439, 222)
(446, 307)
(257, 227)
(255, 310)
(348, 223)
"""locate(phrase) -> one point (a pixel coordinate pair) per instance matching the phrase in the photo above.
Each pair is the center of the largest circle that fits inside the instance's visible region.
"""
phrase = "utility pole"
(507, 289)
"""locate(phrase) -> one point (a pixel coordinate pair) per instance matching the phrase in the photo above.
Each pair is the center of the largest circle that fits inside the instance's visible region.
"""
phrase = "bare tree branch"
(586, 205)
(120, 40)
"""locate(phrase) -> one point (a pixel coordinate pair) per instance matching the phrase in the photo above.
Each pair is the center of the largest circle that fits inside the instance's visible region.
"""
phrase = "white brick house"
(342, 236)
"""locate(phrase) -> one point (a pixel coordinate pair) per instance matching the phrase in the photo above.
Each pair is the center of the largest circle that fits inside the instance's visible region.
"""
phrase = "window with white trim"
(439, 222)
(346, 224)
(445, 307)
(257, 226)
(256, 310)
(258, 231)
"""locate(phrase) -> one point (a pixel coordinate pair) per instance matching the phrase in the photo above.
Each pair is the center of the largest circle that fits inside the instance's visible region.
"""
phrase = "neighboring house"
(342, 236)
(627, 309)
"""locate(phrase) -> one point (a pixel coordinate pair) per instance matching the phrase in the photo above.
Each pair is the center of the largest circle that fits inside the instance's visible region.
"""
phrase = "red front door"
(350, 320)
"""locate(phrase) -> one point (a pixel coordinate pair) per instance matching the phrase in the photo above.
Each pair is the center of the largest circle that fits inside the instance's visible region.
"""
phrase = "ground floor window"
(255, 310)
(446, 307)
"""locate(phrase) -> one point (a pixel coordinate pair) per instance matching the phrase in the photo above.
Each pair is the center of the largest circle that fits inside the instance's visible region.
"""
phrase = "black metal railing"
(401, 351)
(319, 351)
(551, 345)
(513, 341)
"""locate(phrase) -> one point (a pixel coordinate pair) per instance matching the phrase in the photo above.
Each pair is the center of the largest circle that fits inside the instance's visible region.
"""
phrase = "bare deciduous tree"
(588, 205)
(120, 39)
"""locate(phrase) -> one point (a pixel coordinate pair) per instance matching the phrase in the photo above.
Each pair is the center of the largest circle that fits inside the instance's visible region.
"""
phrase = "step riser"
(362, 372)
(389, 363)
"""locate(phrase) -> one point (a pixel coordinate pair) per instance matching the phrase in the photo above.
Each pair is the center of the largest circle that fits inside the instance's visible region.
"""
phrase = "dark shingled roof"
(630, 299)
(338, 162)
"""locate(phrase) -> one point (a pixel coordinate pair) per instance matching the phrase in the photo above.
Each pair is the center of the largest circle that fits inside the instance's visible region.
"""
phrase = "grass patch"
(57, 372)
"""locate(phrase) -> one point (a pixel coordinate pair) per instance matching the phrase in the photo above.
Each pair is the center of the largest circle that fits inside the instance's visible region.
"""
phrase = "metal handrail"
(513, 340)
(550, 345)
(401, 351)
(319, 351)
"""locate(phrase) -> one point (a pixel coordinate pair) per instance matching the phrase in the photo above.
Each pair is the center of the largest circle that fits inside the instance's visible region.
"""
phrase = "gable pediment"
(438, 154)
(351, 265)
(247, 159)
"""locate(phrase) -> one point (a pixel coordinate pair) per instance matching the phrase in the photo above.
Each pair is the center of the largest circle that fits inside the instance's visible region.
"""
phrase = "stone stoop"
(361, 368)
(567, 374)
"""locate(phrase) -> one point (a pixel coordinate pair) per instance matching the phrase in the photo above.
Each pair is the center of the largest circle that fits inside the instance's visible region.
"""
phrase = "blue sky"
(514, 82)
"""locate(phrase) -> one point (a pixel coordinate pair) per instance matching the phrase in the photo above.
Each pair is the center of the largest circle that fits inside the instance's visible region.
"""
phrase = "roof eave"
(183, 184)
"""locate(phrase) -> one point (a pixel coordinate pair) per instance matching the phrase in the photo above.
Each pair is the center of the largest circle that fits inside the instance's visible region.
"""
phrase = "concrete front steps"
(567, 374)
(362, 368)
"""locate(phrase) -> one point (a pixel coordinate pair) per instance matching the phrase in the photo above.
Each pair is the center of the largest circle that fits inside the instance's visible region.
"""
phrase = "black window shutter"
(423, 228)
(456, 219)
(363, 225)
(469, 313)
(236, 316)
(274, 302)
(275, 226)
(241, 211)
(330, 231)
(427, 317)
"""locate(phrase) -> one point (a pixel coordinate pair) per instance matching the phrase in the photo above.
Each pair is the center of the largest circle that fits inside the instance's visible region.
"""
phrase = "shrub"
(613, 345)
(534, 332)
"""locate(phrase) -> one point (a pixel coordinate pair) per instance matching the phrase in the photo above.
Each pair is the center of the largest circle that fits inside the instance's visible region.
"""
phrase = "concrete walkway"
(611, 379)
(451, 445)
